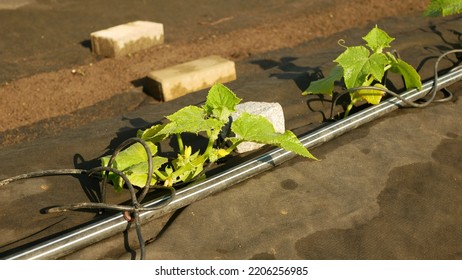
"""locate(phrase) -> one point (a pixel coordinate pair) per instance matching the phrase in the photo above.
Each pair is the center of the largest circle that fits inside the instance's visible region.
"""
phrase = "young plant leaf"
(325, 85)
(216, 154)
(152, 134)
(378, 62)
(410, 75)
(221, 102)
(377, 40)
(358, 65)
(127, 158)
(190, 119)
(130, 156)
(186, 169)
(289, 141)
(138, 173)
(372, 96)
(443, 8)
(255, 128)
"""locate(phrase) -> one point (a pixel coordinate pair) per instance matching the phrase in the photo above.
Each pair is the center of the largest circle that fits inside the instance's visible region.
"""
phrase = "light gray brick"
(127, 38)
(173, 82)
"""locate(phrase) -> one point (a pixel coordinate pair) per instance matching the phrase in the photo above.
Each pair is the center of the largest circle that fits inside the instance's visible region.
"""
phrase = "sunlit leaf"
(372, 96)
(325, 85)
(221, 102)
(443, 8)
(127, 158)
(152, 134)
(255, 128)
(188, 168)
(358, 65)
(377, 40)
(410, 75)
(130, 156)
(138, 173)
(190, 119)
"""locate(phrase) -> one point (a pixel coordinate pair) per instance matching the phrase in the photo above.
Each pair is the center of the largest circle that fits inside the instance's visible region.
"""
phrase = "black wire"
(123, 145)
(140, 236)
(135, 208)
(36, 174)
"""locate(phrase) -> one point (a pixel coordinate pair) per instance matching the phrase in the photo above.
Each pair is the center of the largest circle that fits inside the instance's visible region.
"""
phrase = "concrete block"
(173, 82)
(127, 38)
(272, 111)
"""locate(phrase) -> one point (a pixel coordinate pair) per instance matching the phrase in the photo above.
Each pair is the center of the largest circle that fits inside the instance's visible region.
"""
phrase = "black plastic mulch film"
(132, 212)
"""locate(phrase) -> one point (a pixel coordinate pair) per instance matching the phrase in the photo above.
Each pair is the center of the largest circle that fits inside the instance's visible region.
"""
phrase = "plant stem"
(180, 143)
(212, 138)
(350, 106)
(369, 81)
(230, 149)
(348, 109)
(160, 175)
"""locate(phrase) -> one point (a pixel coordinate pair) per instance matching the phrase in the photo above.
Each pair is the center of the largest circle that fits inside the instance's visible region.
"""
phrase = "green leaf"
(152, 134)
(221, 102)
(443, 8)
(191, 170)
(127, 158)
(290, 142)
(255, 128)
(410, 75)
(138, 173)
(190, 119)
(377, 63)
(130, 156)
(325, 85)
(372, 96)
(187, 168)
(216, 154)
(377, 40)
(184, 160)
(358, 65)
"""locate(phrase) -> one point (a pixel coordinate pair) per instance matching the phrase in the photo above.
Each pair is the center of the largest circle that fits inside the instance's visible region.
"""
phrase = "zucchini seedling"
(209, 120)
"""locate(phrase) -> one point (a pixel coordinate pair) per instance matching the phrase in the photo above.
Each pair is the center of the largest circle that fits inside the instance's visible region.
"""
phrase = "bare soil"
(46, 86)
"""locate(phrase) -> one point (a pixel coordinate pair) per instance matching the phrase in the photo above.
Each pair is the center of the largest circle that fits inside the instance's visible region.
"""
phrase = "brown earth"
(236, 32)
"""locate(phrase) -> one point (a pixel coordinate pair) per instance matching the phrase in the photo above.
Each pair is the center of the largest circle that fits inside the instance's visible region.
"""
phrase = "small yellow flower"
(168, 182)
(187, 152)
(222, 153)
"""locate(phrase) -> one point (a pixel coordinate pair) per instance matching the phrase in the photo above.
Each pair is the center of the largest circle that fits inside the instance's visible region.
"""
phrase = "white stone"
(181, 79)
(271, 111)
(127, 38)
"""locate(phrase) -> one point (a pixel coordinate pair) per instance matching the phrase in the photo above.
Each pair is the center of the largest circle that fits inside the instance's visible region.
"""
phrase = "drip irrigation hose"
(92, 233)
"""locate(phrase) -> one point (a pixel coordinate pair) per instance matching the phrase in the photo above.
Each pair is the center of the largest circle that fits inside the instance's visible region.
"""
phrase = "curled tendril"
(341, 43)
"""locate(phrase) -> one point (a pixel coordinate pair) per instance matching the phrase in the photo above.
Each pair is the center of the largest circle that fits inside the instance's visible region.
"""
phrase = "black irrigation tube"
(90, 234)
